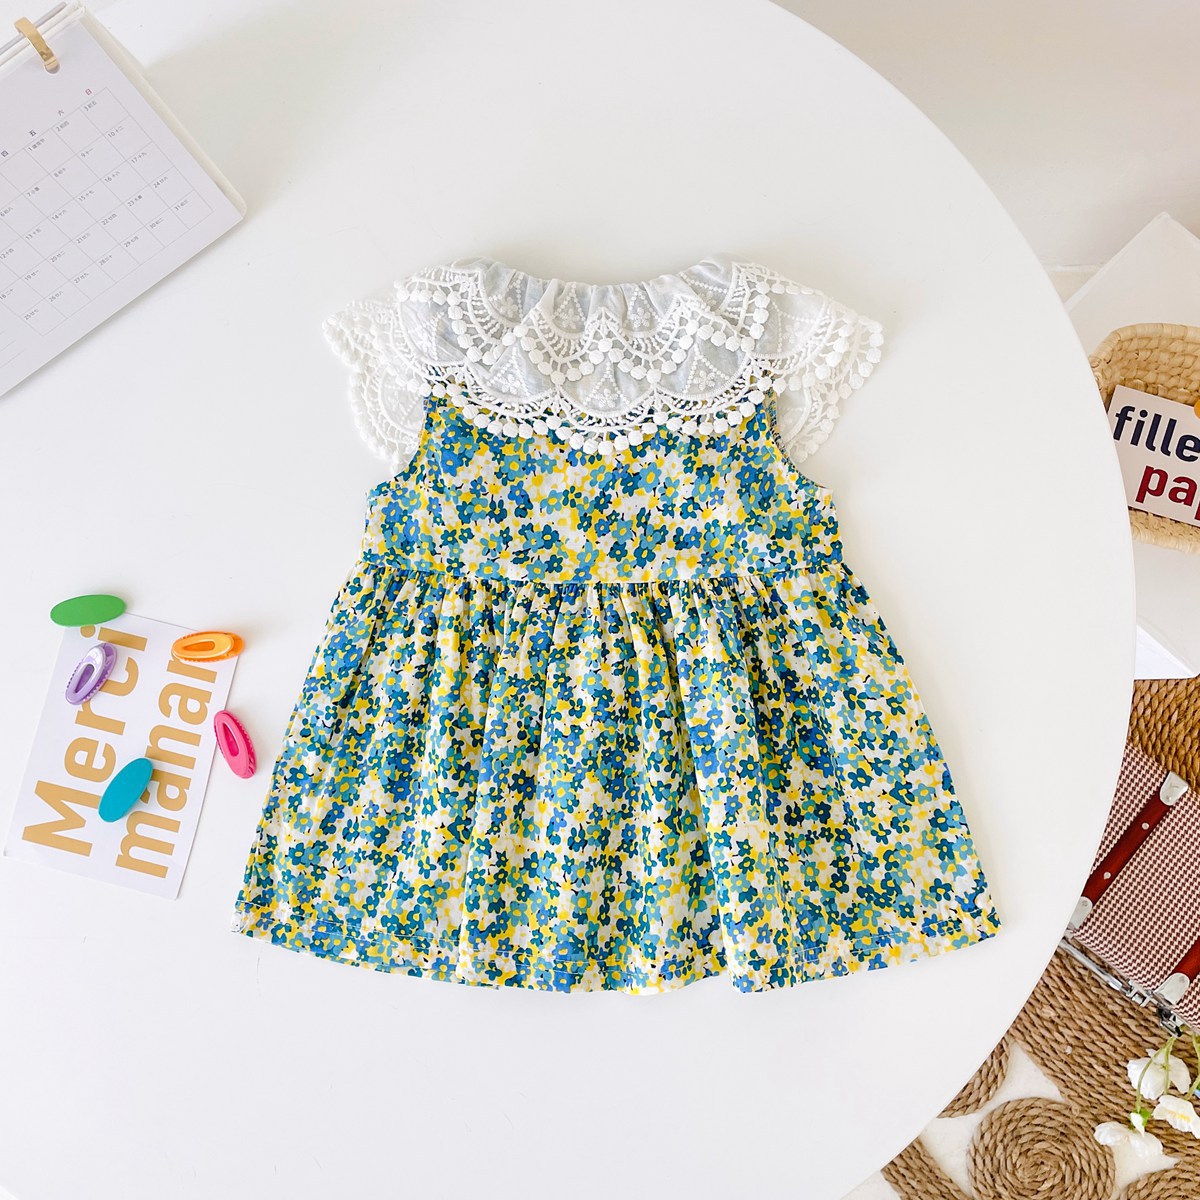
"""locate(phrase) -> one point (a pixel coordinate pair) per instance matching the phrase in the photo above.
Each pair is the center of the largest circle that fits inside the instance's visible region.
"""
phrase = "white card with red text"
(1158, 447)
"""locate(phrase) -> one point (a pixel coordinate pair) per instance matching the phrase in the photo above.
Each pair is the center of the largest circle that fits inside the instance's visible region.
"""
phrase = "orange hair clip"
(211, 646)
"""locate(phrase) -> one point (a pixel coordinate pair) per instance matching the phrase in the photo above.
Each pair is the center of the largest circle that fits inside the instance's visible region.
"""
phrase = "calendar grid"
(102, 194)
(82, 204)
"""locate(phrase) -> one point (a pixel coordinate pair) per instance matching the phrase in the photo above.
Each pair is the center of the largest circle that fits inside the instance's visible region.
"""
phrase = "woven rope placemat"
(1081, 1034)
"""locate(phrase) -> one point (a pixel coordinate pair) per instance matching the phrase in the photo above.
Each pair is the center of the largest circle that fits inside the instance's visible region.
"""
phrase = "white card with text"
(152, 706)
(1158, 447)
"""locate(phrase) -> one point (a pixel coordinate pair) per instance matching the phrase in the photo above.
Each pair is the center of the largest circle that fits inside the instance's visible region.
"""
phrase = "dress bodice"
(523, 508)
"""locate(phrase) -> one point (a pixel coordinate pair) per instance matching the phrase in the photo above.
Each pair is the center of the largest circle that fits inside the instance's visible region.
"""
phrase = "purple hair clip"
(94, 668)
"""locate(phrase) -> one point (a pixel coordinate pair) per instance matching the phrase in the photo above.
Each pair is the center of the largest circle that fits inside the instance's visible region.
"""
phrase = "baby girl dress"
(601, 704)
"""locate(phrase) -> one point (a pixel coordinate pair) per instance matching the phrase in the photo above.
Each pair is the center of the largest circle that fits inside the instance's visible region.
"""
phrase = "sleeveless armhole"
(839, 356)
(386, 388)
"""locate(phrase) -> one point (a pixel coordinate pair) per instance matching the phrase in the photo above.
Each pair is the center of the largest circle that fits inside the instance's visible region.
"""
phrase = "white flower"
(1179, 1114)
(1112, 1133)
(1157, 1077)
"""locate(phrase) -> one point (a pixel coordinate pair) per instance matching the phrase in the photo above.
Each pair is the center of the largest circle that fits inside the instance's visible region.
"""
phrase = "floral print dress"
(601, 704)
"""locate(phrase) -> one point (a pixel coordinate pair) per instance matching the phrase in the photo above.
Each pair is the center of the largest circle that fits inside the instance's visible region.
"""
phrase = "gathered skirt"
(627, 786)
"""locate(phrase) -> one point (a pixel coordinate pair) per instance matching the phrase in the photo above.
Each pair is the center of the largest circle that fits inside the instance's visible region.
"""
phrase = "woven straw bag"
(1163, 360)
(1164, 721)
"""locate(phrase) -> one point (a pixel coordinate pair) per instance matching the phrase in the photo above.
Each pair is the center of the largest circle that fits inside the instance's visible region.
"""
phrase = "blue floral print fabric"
(609, 722)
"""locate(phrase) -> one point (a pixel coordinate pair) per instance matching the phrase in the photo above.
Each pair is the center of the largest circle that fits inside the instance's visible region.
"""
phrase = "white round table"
(148, 1052)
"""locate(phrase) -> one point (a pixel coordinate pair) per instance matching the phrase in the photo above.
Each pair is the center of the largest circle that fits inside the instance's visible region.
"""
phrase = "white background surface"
(147, 1051)
(1075, 113)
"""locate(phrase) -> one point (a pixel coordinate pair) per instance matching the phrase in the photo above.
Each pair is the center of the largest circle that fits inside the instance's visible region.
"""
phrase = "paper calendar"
(102, 193)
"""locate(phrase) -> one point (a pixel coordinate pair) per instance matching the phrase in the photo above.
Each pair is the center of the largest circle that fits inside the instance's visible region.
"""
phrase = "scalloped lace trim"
(602, 366)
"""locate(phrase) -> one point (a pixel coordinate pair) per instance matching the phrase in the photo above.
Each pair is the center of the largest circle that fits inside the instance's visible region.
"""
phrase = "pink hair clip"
(234, 743)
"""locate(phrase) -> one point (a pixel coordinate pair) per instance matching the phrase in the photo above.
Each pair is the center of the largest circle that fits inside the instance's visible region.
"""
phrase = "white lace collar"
(602, 366)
